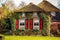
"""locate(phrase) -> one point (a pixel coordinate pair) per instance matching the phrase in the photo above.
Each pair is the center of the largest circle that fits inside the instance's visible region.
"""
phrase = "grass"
(30, 38)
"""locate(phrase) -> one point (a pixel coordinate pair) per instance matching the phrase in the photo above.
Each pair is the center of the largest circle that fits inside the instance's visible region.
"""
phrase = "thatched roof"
(48, 7)
(30, 8)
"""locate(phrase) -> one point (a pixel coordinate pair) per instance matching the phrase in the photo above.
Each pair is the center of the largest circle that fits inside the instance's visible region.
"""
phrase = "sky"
(16, 2)
(54, 2)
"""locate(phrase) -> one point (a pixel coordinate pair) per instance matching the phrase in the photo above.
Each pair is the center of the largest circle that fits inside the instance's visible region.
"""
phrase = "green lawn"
(30, 38)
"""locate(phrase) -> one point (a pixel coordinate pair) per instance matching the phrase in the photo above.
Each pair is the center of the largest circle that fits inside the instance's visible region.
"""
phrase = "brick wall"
(55, 25)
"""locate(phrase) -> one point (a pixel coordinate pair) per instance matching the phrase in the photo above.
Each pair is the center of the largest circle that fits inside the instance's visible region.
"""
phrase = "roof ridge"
(44, 0)
(48, 5)
(31, 8)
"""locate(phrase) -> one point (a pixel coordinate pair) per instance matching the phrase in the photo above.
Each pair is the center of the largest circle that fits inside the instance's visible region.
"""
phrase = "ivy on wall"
(17, 15)
(29, 15)
(46, 23)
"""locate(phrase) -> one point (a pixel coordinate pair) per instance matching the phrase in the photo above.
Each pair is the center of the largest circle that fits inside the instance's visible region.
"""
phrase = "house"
(34, 22)
(53, 11)
(32, 18)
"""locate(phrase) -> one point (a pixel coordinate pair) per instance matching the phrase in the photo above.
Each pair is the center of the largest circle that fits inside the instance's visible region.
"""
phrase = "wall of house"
(34, 22)
(55, 26)
(45, 25)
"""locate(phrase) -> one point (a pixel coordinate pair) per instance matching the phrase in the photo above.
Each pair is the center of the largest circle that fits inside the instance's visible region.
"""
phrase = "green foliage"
(8, 23)
(29, 15)
(17, 15)
(46, 23)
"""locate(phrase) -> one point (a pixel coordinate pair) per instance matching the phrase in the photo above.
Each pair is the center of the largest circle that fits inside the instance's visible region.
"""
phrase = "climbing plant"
(29, 15)
(46, 23)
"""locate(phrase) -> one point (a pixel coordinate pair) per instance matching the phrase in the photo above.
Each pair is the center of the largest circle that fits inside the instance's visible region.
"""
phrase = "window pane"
(22, 24)
(36, 24)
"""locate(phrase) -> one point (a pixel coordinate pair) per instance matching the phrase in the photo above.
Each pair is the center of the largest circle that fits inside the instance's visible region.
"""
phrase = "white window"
(53, 13)
(36, 24)
(23, 14)
(35, 14)
(22, 24)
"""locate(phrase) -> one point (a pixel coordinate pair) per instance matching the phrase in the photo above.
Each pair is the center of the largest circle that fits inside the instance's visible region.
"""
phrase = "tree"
(22, 4)
(10, 4)
(1, 26)
(5, 15)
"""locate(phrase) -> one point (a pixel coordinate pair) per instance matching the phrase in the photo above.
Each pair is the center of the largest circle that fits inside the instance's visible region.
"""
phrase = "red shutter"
(58, 26)
(41, 23)
(26, 24)
(17, 24)
(31, 24)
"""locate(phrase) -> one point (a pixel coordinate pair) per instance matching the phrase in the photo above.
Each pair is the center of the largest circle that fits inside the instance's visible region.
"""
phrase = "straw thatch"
(48, 7)
(30, 8)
